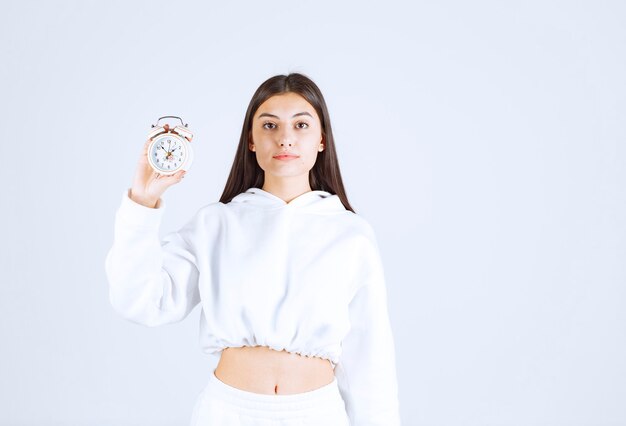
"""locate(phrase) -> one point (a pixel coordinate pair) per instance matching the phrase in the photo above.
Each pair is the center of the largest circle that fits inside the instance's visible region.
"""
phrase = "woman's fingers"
(177, 176)
(170, 179)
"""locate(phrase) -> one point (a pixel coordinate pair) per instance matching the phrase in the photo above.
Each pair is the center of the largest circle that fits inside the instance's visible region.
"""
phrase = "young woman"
(288, 276)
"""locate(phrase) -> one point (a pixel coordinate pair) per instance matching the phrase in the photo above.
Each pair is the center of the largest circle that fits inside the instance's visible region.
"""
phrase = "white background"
(484, 141)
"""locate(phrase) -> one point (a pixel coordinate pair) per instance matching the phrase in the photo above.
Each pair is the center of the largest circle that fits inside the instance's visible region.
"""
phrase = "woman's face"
(286, 124)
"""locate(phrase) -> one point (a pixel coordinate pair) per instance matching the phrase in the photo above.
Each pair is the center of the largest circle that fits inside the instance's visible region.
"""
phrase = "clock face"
(168, 153)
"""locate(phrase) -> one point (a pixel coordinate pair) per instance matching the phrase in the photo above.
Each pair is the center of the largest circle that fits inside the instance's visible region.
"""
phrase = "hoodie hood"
(312, 201)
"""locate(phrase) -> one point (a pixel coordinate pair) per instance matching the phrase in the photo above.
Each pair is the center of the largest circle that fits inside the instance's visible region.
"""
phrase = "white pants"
(220, 404)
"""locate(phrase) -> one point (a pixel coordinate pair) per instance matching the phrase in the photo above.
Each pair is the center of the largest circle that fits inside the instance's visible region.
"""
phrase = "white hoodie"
(304, 276)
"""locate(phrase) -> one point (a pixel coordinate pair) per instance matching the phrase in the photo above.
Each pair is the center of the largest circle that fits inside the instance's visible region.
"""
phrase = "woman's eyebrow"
(267, 114)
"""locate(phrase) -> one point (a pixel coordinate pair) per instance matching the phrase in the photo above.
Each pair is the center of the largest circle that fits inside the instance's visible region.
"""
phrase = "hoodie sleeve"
(366, 371)
(151, 281)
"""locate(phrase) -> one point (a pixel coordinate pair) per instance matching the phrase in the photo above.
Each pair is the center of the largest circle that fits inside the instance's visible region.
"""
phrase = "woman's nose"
(286, 137)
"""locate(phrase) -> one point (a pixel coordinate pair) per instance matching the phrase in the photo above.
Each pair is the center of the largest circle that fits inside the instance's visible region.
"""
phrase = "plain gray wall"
(484, 141)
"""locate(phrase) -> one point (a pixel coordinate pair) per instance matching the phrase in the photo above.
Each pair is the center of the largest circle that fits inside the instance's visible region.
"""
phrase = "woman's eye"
(300, 125)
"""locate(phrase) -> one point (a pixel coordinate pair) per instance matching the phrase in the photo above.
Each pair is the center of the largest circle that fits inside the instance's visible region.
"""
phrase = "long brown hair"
(246, 172)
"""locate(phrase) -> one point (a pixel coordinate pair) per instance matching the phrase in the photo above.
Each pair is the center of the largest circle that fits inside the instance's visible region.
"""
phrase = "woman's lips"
(285, 157)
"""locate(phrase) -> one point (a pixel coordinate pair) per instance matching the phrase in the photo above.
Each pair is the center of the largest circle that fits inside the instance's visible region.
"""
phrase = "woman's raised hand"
(148, 185)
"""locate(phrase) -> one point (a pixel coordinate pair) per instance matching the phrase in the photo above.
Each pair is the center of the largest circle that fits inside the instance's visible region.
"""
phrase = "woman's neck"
(287, 188)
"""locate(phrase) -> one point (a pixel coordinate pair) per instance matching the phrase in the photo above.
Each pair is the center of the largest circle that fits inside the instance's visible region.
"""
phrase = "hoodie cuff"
(137, 214)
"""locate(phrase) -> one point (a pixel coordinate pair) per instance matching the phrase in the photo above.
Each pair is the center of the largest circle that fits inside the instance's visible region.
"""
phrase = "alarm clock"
(170, 149)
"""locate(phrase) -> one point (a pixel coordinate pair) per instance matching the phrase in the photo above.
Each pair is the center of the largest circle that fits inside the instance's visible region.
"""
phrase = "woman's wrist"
(147, 202)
